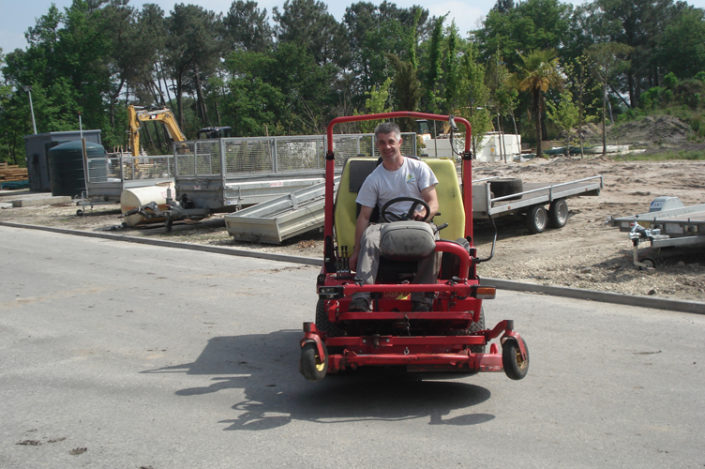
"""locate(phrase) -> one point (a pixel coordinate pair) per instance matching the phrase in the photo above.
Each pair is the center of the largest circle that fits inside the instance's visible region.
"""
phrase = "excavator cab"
(214, 132)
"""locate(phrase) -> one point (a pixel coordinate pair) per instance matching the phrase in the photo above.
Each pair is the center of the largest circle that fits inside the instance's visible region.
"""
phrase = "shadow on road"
(265, 367)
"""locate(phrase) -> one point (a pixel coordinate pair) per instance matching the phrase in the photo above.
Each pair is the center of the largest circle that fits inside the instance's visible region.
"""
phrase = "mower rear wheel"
(323, 323)
(312, 366)
(514, 365)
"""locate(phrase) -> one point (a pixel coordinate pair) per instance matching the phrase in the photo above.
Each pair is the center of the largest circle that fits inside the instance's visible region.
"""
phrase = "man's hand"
(352, 262)
(421, 214)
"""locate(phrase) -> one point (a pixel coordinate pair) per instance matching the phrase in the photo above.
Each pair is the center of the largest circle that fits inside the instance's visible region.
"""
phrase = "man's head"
(388, 139)
(388, 128)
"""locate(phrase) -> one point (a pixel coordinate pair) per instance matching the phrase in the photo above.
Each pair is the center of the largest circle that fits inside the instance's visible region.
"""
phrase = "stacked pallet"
(12, 172)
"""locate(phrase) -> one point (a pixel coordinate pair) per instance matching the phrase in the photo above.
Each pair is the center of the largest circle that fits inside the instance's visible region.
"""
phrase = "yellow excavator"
(138, 114)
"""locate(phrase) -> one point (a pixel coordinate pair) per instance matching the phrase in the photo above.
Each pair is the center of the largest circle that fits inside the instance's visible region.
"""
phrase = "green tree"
(372, 33)
(431, 74)
(681, 47)
(193, 53)
(377, 101)
(247, 27)
(609, 60)
(565, 114)
(474, 95)
(539, 73)
(504, 94)
(407, 88)
(584, 87)
(254, 106)
(637, 24)
(514, 29)
(308, 24)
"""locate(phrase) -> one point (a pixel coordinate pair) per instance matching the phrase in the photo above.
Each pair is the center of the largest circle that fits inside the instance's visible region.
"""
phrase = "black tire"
(310, 364)
(79, 213)
(648, 264)
(514, 366)
(506, 186)
(323, 324)
(537, 219)
(558, 213)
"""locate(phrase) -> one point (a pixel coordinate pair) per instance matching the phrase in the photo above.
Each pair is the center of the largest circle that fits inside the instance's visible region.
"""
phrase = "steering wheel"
(388, 216)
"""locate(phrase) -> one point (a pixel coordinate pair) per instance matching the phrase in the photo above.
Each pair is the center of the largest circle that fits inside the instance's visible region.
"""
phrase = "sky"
(18, 15)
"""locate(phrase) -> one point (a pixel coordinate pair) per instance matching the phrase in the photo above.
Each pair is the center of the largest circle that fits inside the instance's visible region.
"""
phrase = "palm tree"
(539, 73)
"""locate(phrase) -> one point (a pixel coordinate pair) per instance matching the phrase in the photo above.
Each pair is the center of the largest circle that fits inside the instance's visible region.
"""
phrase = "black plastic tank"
(66, 174)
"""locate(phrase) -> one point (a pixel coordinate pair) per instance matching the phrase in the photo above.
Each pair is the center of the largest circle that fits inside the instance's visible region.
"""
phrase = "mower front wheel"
(515, 366)
(312, 366)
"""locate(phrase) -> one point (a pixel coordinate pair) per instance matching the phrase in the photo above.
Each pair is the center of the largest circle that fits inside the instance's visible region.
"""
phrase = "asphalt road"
(117, 355)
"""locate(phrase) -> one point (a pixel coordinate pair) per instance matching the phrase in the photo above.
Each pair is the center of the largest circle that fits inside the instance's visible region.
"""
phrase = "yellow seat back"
(450, 199)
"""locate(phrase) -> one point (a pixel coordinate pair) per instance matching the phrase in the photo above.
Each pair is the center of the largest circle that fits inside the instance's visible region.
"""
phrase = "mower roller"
(451, 337)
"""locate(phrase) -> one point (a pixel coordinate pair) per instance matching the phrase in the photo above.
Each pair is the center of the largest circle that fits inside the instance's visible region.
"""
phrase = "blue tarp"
(15, 184)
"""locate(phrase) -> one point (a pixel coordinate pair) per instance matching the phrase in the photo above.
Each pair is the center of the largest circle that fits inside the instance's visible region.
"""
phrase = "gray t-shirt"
(383, 185)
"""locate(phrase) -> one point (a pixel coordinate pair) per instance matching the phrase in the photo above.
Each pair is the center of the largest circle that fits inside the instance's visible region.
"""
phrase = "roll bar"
(330, 168)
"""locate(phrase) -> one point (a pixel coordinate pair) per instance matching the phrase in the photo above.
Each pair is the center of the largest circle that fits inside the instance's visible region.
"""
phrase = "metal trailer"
(281, 218)
(106, 182)
(668, 224)
(531, 200)
(219, 174)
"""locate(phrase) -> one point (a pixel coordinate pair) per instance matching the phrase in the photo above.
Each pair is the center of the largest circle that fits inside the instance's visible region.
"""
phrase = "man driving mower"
(397, 176)
(427, 314)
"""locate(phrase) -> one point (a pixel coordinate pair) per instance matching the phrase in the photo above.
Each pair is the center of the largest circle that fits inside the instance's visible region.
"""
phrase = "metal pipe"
(28, 89)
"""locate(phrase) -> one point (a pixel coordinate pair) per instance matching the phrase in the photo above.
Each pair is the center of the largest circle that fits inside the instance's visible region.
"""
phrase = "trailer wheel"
(558, 213)
(506, 186)
(312, 366)
(537, 219)
(515, 367)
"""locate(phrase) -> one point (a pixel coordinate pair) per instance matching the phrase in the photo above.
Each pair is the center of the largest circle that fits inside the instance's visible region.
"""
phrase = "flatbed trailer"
(679, 227)
(531, 200)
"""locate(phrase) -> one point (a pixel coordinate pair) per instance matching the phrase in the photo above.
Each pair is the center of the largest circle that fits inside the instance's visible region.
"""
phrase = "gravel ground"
(586, 253)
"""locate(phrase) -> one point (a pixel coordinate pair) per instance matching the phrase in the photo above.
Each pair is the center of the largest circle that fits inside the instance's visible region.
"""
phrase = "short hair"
(388, 128)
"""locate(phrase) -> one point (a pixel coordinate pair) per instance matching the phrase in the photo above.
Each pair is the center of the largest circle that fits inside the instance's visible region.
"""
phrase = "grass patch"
(691, 155)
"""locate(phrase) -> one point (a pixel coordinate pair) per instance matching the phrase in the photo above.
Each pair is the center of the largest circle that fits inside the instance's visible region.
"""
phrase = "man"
(397, 176)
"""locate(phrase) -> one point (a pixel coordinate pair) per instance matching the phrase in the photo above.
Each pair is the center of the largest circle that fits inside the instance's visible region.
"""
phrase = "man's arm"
(363, 221)
(429, 196)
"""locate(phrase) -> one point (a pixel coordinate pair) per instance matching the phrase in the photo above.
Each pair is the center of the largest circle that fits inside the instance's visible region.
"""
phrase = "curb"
(581, 294)
(603, 297)
(170, 244)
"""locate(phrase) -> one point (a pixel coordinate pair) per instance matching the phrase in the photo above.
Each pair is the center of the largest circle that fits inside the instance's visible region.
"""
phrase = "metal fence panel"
(120, 167)
(253, 156)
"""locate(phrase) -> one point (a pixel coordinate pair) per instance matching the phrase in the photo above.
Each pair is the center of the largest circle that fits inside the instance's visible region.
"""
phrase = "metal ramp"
(282, 218)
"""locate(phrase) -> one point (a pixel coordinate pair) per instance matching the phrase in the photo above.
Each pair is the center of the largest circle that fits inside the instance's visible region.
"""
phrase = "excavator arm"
(137, 114)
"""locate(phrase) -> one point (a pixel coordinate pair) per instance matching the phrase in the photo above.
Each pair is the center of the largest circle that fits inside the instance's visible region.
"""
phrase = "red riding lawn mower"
(452, 336)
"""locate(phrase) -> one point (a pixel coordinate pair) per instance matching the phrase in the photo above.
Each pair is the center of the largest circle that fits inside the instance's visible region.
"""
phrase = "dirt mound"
(650, 132)
(660, 131)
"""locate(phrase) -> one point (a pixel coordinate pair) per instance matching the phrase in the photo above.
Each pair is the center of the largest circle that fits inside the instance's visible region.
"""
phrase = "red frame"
(456, 298)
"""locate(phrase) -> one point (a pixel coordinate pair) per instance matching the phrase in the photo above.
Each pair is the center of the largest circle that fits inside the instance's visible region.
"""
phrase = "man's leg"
(367, 265)
(426, 273)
